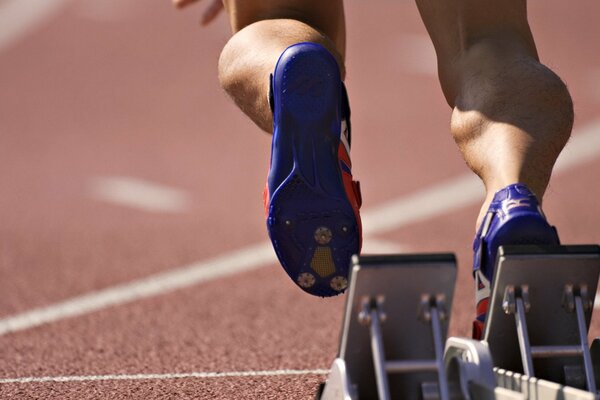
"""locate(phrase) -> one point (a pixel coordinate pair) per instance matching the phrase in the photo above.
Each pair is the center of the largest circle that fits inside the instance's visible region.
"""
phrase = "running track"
(133, 257)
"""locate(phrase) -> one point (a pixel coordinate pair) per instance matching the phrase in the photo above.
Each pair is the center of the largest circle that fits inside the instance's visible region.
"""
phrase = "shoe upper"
(352, 187)
(514, 217)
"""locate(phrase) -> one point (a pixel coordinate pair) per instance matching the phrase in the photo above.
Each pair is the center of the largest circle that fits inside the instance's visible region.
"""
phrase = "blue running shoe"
(514, 217)
(311, 202)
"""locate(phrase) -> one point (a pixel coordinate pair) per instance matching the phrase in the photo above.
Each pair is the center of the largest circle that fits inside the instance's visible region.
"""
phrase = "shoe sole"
(310, 221)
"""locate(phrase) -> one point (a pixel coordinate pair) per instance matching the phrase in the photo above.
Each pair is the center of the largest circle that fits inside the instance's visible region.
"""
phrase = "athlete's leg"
(311, 201)
(262, 30)
(511, 118)
(511, 115)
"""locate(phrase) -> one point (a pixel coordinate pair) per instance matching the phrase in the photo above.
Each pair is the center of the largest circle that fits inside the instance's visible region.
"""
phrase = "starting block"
(394, 328)
(540, 310)
(535, 343)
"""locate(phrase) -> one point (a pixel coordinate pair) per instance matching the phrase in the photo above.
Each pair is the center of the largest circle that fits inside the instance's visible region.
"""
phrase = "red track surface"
(136, 95)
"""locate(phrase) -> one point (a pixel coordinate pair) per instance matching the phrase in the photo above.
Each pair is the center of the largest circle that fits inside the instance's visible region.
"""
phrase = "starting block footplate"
(399, 285)
(542, 276)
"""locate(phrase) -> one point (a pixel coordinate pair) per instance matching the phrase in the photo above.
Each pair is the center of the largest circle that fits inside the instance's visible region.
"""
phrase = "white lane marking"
(423, 205)
(196, 375)
(584, 146)
(437, 200)
(139, 194)
(379, 246)
(415, 54)
(19, 18)
(467, 189)
(234, 262)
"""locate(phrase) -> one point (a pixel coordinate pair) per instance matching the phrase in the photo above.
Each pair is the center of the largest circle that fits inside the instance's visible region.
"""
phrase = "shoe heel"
(306, 80)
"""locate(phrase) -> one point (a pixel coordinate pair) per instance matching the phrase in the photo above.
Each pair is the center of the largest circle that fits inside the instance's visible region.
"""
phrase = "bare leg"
(262, 31)
(511, 115)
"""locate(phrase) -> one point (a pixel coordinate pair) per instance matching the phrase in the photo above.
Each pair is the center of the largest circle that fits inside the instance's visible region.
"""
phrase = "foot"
(311, 201)
(514, 217)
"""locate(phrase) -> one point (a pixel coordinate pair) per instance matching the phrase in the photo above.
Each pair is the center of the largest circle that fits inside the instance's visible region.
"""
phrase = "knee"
(230, 69)
(241, 59)
(244, 65)
(257, 47)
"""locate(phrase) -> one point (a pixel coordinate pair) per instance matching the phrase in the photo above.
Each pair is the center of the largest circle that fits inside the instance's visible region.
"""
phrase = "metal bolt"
(338, 283)
(323, 235)
(306, 280)
(509, 305)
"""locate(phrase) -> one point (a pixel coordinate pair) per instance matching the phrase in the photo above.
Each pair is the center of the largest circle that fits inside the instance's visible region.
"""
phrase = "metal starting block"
(394, 328)
(535, 343)
(540, 311)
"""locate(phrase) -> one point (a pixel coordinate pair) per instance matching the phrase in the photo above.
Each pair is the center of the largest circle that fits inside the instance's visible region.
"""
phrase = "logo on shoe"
(483, 290)
(509, 205)
(344, 136)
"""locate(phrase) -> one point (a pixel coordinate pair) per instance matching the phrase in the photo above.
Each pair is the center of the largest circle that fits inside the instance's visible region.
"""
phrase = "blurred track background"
(134, 261)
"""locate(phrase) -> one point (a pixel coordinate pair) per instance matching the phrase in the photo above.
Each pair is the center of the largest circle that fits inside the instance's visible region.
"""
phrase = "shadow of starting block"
(540, 311)
(394, 328)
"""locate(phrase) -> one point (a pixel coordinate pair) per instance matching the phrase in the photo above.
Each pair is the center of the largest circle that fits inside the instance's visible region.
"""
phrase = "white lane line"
(379, 246)
(139, 194)
(467, 189)
(231, 263)
(584, 146)
(420, 206)
(19, 18)
(437, 200)
(196, 375)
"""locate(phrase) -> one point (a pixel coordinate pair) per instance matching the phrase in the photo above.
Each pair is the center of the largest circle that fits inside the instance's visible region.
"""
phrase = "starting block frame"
(537, 287)
(409, 320)
(393, 332)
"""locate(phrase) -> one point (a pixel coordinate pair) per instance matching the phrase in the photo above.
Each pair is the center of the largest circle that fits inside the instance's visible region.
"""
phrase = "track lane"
(109, 110)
